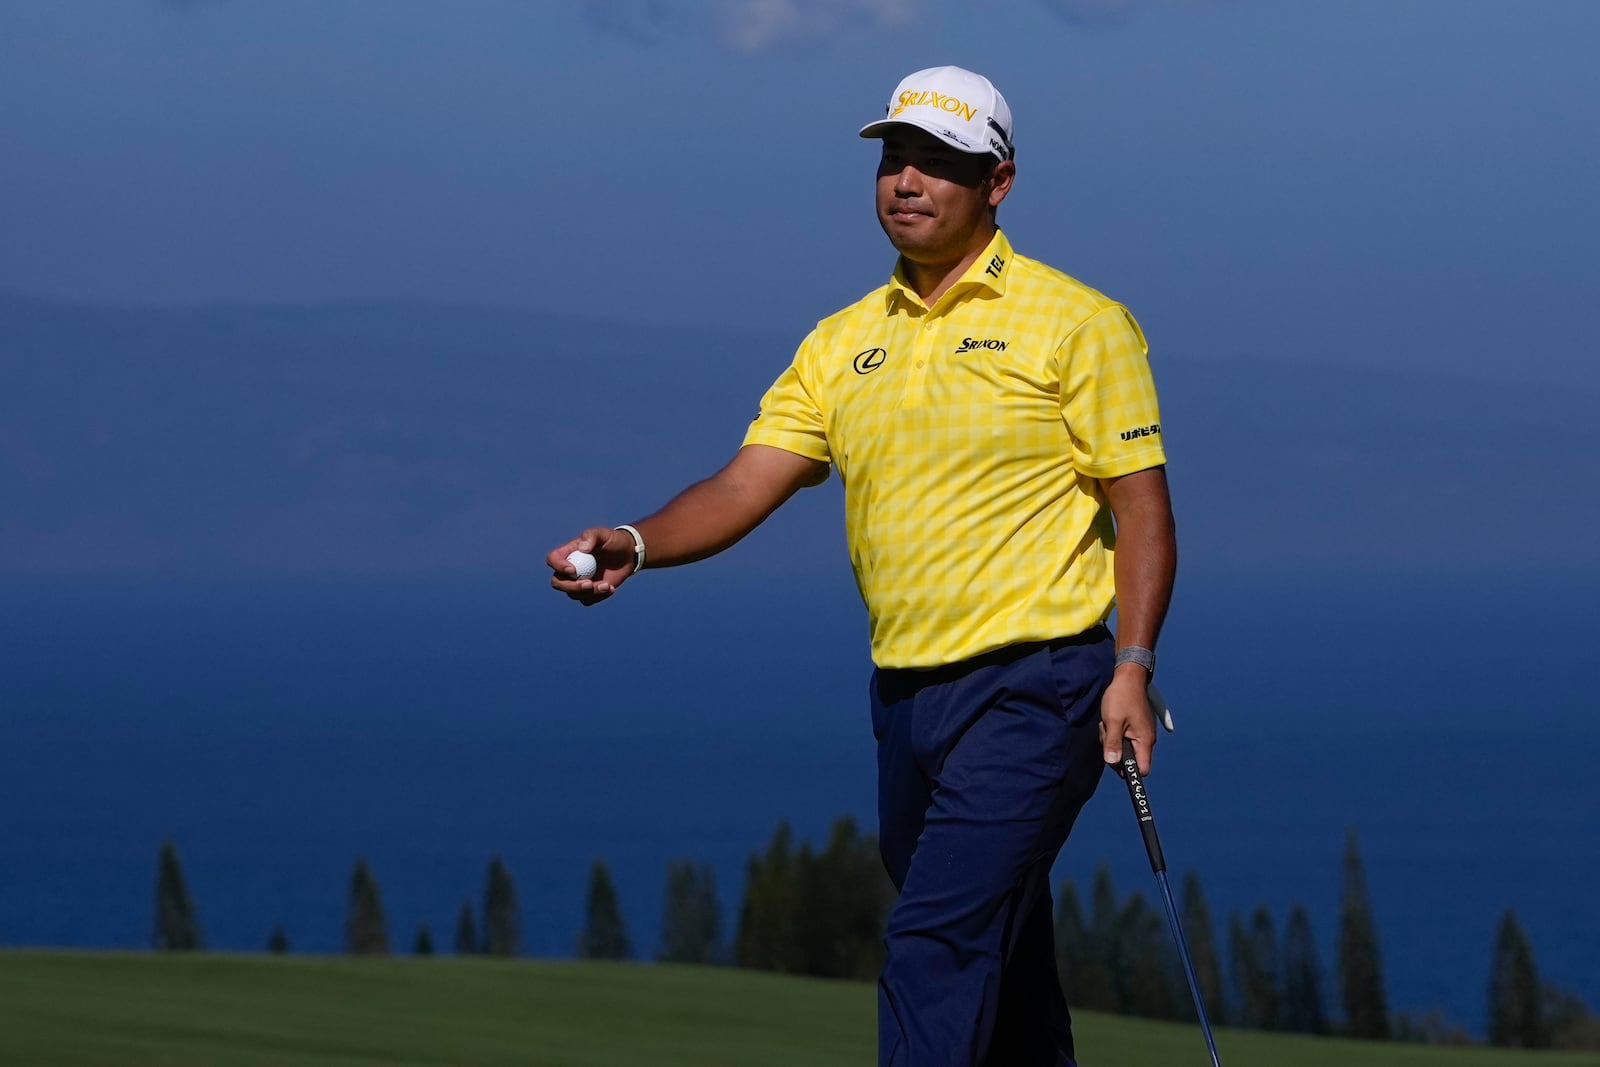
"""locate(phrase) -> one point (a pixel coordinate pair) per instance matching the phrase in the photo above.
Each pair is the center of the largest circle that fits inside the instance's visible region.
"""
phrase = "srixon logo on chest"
(968, 344)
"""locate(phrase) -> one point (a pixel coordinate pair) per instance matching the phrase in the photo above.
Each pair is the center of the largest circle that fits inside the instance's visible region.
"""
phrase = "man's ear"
(1000, 179)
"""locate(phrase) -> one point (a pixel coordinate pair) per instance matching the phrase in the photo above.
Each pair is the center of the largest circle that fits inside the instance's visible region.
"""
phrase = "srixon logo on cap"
(929, 98)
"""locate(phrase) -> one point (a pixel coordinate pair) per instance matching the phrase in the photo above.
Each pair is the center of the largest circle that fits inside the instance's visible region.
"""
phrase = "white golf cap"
(959, 107)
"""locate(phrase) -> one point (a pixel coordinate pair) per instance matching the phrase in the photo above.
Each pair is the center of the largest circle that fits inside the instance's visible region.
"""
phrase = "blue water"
(278, 729)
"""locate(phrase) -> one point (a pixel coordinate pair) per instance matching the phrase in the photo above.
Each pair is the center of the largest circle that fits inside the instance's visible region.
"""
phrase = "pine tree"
(801, 929)
(1516, 1010)
(1072, 942)
(767, 914)
(466, 931)
(1302, 976)
(691, 919)
(1254, 984)
(752, 940)
(1241, 969)
(1200, 935)
(1568, 1022)
(1264, 946)
(1103, 910)
(423, 945)
(365, 932)
(818, 913)
(1360, 968)
(841, 907)
(1092, 974)
(604, 936)
(177, 927)
(869, 898)
(502, 926)
(1140, 966)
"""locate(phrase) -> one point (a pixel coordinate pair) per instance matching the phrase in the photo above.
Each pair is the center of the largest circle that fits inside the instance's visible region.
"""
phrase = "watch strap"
(638, 545)
(1137, 654)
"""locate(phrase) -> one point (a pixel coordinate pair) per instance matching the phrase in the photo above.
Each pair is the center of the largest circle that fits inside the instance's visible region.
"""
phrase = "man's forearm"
(716, 513)
(701, 521)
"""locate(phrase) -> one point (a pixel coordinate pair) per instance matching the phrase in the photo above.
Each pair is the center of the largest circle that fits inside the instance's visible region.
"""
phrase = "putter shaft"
(1158, 865)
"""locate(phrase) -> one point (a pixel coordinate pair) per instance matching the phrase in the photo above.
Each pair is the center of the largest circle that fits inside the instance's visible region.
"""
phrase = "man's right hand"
(613, 556)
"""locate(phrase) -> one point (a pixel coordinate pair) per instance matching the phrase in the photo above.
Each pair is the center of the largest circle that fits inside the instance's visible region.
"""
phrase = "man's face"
(934, 201)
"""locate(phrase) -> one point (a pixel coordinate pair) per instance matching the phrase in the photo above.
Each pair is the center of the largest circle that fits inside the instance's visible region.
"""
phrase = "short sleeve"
(791, 417)
(1108, 397)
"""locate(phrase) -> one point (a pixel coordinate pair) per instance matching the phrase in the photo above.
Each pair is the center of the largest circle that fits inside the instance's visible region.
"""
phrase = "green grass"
(208, 1010)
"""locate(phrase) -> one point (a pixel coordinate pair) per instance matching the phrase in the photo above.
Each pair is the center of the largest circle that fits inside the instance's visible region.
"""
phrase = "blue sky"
(1381, 183)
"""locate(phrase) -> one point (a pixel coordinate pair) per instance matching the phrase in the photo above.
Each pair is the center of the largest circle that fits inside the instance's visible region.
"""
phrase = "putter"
(1158, 864)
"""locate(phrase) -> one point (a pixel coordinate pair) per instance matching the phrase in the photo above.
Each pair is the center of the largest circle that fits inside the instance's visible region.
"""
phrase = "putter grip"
(1141, 807)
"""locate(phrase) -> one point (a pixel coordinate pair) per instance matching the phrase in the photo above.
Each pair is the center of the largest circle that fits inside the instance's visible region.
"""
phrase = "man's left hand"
(1125, 712)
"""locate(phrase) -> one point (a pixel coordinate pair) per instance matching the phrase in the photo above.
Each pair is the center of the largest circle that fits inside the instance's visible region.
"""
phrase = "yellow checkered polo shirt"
(969, 437)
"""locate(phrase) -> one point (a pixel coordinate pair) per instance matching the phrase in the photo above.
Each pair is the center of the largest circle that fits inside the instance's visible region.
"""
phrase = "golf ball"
(584, 562)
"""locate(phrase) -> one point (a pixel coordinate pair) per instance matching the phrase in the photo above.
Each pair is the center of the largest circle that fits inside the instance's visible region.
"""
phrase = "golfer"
(994, 424)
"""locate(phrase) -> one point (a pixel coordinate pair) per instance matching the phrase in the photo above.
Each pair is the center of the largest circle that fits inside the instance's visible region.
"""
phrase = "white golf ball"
(584, 562)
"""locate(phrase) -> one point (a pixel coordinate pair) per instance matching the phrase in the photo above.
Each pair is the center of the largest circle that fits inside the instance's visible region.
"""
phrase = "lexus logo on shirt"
(870, 360)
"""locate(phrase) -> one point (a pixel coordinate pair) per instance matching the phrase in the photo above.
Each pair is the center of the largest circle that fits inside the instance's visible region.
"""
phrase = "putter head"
(1158, 704)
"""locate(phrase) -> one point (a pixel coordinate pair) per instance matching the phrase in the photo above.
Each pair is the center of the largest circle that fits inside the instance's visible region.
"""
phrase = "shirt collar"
(989, 271)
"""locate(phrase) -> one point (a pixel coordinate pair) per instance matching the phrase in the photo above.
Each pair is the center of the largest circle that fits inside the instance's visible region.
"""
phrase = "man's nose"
(909, 183)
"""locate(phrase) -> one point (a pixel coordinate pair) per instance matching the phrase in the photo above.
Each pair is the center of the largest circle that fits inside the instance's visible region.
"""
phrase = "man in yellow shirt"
(995, 427)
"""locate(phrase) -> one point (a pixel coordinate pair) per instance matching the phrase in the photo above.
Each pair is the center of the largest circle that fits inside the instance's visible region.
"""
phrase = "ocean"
(276, 728)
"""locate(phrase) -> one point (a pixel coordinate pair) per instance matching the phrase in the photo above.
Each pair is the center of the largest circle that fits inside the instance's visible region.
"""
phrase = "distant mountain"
(1279, 462)
(411, 436)
(375, 436)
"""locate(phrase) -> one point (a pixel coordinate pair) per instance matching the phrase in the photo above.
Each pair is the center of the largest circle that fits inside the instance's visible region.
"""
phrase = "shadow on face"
(931, 157)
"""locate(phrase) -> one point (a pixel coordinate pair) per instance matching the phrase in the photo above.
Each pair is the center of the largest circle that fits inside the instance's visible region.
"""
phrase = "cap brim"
(881, 128)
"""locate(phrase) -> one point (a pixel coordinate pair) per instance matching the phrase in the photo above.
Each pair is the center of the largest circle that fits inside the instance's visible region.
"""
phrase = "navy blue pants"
(983, 767)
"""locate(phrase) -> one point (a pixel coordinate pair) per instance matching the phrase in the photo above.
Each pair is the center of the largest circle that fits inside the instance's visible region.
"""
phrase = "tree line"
(1119, 957)
(822, 912)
